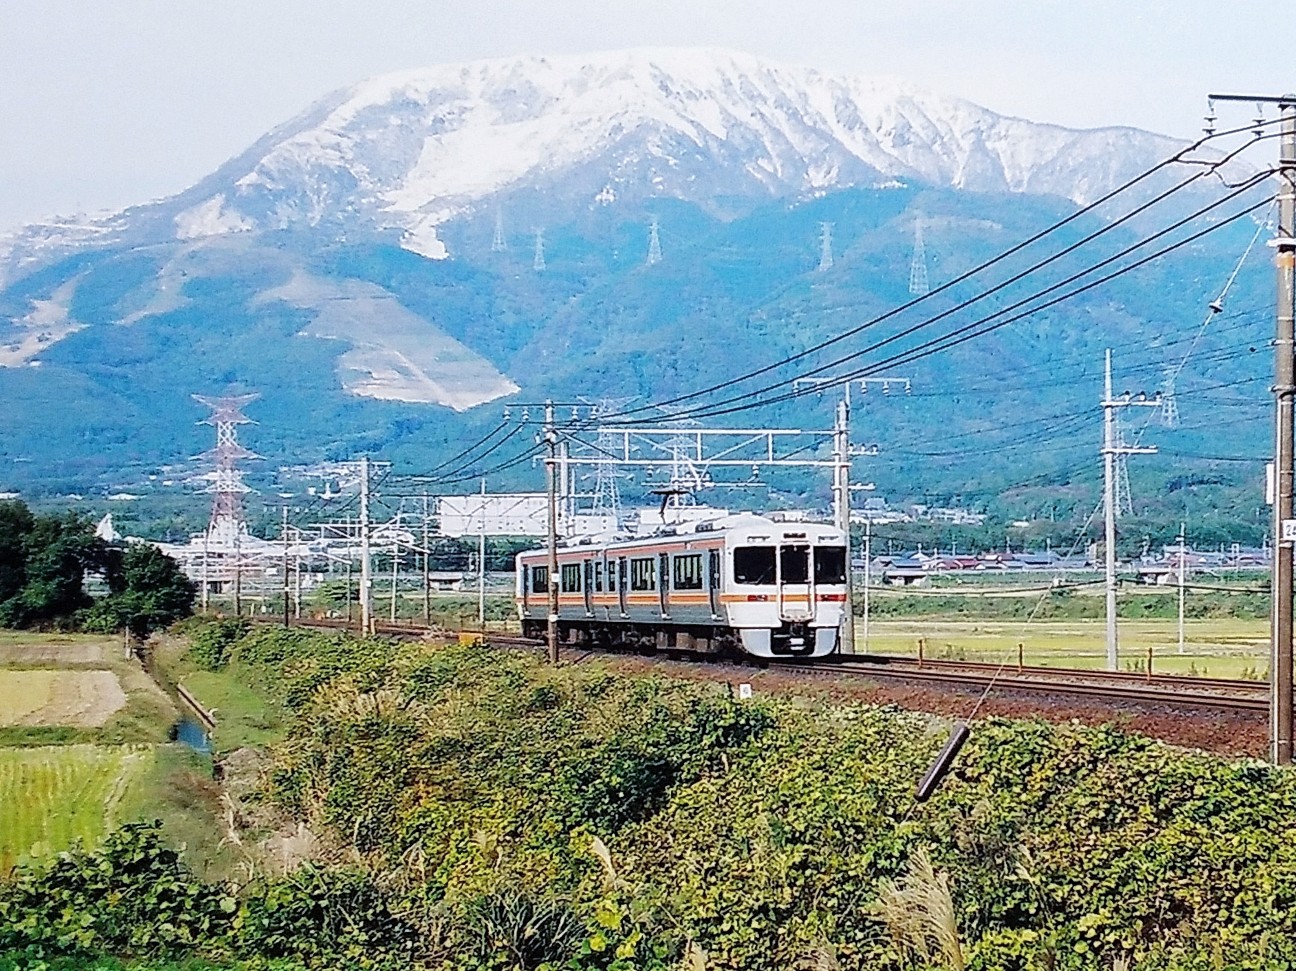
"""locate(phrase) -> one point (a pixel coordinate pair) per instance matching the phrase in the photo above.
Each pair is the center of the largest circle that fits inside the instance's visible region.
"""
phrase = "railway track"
(1115, 687)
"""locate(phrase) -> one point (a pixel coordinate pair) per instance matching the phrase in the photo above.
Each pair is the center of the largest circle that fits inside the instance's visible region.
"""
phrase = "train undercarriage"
(789, 641)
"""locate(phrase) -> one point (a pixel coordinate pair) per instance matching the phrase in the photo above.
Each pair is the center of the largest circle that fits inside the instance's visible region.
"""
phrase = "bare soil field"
(54, 650)
(80, 683)
(75, 699)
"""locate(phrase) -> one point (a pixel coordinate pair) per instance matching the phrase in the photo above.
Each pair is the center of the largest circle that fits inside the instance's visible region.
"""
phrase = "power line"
(1178, 158)
(969, 331)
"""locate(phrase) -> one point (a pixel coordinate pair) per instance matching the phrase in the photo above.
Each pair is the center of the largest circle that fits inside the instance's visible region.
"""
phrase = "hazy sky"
(104, 103)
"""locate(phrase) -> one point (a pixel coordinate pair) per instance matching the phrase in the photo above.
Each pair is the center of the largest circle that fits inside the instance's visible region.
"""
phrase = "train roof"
(732, 523)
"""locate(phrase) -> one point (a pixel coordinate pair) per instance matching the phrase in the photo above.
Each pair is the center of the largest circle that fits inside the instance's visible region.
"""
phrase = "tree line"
(46, 559)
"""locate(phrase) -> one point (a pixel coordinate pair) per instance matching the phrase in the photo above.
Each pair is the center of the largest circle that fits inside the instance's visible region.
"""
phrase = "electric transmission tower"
(654, 243)
(825, 247)
(498, 244)
(227, 525)
(607, 492)
(1169, 406)
(918, 283)
(1124, 499)
(538, 261)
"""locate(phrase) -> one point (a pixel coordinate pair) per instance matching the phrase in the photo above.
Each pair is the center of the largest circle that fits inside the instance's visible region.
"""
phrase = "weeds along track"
(1050, 685)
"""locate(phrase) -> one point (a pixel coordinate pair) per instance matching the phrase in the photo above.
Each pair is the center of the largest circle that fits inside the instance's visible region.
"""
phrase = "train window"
(753, 564)
(539, 579)
(598, 576)
(830, 564)
(571, 578)
(643, 574)
(612, 576)
(688, 572)
(794, 562)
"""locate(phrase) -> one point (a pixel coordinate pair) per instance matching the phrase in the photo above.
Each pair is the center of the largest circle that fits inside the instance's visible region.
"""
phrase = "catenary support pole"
(481, 562)
(206, 570)
(284, 529)
(1284, 389)
(1284, 526)
(1109, 512)
(427, 574)
(868, 575)
(1183, 535)
(366, 566)
(551, 471)
(238, 573)
(395, 577)
(841, 512)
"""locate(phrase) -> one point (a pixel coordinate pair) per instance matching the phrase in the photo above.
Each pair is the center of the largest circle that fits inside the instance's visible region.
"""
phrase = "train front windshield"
(830, 564)
(755, 565)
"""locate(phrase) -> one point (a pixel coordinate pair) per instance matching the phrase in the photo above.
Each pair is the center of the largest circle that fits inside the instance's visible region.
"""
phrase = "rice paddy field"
(54, 795)
(84, 748)
(1216, 647)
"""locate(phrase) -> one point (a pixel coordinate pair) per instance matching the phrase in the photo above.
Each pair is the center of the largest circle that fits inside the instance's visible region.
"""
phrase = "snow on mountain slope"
(404, 153)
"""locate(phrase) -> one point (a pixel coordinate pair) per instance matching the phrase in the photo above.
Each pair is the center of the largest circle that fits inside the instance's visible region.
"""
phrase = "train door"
(795, 590)
(713, 582)
(663, 582)
(588, 586)
(622, 578)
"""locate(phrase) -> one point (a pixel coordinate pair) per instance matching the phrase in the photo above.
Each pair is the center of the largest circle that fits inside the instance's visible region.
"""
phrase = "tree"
(16, 522)
(148, 591)
(43, 562)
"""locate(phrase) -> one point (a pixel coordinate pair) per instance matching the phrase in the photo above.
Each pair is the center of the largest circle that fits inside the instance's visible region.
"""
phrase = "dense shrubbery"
(133, 897)
(503, 815)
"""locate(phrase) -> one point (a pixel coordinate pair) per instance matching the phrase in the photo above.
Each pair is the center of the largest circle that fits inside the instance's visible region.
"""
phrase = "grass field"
(1223, 648)
(54, 795)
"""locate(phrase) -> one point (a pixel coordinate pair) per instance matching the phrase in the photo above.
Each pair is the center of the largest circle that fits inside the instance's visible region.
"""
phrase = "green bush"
(133, 896)
(210, 643)
(499, 813)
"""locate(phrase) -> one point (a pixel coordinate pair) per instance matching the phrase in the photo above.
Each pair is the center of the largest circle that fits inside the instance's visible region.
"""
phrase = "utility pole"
(206, 568)
(551, 471)
(366, 579)
(297, 577)
(868, 575)
(843, 452)
(1111, 449)
(284, 529)
(1284, 389)
(1280, 661)
(841, 508)
(348, 591)
(427, 576)
(238, 574)
(395, 566)
(481, 562)
(1183, 529)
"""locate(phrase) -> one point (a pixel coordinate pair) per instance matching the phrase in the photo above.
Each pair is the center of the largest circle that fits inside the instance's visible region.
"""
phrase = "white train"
(738, 583)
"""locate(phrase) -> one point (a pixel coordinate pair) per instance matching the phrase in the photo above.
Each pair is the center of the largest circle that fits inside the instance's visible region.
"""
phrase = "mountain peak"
(402, 154)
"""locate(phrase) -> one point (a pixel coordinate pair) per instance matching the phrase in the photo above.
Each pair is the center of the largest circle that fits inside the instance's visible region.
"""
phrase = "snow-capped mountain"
(405, 153)
(682, 197)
